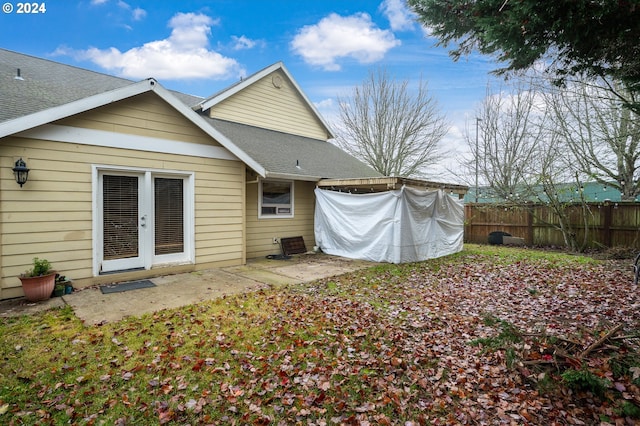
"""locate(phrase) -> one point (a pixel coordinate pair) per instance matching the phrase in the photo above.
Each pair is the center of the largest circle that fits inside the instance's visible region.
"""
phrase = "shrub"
(40, 267)
(585, 380)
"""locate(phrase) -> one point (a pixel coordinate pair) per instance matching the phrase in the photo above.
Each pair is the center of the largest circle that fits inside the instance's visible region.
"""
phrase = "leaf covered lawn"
(487, 336)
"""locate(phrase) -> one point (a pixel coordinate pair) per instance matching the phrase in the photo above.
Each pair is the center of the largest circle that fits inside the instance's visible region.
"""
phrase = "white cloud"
(243, 42)
(399, 16)
(336, 36)
(426, 31)
(325, 103)
(183, 55)
(138, 14)
(328, 108)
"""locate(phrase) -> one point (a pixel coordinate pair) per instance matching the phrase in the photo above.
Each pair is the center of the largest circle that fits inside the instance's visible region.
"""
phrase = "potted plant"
(65, 283)
(58, 290)
(38, 282)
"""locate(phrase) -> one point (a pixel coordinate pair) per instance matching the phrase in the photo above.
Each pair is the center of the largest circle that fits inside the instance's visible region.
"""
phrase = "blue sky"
(200, 47)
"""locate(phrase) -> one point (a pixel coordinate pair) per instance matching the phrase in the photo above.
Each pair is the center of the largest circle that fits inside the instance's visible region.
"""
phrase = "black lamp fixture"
(21, 172)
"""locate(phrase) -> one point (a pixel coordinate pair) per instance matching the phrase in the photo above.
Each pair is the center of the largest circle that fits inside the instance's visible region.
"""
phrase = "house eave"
(39, 118)
(291, 176)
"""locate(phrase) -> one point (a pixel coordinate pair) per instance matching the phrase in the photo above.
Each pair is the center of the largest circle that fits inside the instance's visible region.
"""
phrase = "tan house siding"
(219, 221)
(144, 115)
(264, 105)
(260, 231)
(52, 215)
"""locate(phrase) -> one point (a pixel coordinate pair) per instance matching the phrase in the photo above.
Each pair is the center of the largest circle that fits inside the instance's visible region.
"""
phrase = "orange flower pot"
(37, 289)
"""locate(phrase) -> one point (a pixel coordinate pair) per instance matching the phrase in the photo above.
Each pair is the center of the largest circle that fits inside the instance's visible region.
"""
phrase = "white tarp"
(405, 225)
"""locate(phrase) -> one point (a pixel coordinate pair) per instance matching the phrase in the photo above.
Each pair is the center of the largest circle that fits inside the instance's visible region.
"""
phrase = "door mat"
(132, 285)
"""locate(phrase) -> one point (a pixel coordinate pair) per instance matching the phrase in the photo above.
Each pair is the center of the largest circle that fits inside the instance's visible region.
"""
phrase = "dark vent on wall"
(293, 245)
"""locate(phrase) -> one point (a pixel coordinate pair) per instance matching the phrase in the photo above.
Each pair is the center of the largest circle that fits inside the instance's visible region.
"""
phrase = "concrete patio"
(172, 291)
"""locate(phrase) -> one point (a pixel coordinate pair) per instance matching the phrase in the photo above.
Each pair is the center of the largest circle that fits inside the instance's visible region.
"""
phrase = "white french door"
(143, 219)
(124, 216)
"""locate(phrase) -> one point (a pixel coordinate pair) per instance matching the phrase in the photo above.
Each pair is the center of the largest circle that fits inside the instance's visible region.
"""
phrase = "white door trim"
(138, 261)
(146, 236)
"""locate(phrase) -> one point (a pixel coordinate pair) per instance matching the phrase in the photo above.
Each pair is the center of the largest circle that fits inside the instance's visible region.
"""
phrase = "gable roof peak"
(219, 97)
(238, 86)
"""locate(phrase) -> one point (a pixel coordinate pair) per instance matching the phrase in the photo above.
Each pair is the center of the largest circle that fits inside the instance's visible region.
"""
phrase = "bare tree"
(509, 131)
(601, 131)
(553, 182)
(522, 158)
(394, 130)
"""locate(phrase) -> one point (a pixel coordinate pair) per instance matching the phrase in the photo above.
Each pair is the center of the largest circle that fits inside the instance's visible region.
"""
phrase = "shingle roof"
(45, 84)
(291, 155)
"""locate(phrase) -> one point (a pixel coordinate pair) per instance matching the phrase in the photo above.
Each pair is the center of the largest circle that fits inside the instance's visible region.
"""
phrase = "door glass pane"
(169, 216)
(120, 216)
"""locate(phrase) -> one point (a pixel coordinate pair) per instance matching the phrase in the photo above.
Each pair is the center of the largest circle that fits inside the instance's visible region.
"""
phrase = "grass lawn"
(491, 335)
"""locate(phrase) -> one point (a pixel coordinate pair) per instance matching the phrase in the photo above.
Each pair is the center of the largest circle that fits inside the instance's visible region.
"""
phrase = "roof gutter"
(290, 176)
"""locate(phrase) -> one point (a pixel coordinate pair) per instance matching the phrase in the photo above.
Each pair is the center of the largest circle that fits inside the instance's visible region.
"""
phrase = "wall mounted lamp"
(21, 172)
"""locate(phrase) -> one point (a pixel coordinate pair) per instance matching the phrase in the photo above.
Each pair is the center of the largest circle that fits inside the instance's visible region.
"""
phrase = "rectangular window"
(276, 199)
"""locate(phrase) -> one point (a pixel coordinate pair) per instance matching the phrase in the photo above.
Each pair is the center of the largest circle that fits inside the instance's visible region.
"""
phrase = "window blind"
(169, 215)
(120, 216)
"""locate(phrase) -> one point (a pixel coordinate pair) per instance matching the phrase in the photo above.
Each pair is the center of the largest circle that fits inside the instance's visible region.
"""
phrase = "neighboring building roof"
(567, 193)
(284, 155)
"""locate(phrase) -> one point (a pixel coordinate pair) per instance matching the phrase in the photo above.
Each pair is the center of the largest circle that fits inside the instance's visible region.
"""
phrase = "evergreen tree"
(570, 37)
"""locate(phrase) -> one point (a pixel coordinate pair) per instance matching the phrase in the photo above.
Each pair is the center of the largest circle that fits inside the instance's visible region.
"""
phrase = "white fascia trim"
(104, 138)
(57, 113)
(206, 127)
(289, 176)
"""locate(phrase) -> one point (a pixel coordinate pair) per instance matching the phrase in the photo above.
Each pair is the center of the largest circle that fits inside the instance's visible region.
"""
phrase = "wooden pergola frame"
(381, 184)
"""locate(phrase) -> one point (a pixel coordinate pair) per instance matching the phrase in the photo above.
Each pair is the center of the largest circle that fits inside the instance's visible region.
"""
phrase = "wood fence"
(608, 224)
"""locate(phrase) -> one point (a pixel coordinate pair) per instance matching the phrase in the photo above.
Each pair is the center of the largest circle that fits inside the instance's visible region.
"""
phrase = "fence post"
(606, 226)
(468, 222)
(529, 240)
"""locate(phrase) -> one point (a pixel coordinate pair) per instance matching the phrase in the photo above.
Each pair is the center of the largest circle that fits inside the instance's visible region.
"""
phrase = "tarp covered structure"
(399, 226)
